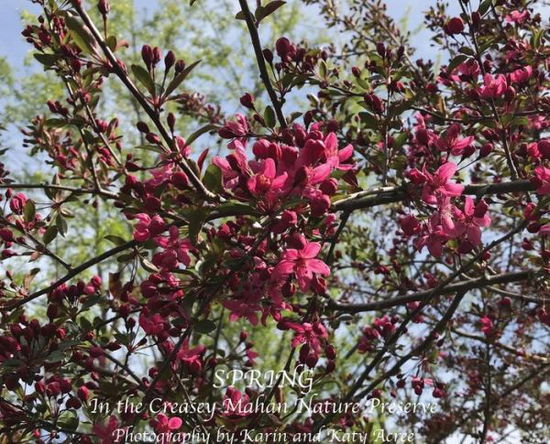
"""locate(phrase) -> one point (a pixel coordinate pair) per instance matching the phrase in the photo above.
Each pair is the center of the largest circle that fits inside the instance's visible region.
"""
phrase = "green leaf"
(149, 266)
(111, 42)
(205, 326)
(50, 234)
(213, 179)
(269, 117)
(117, 240)
(55, 356)
(200, 132)
(46, 59)
(68, 420)
(322, 69)
(459, 59)
(196, 218)
(369, 120)
(29, 211)
(81, 36)
(56, 123)
(176, 81)
(234, 208)
(484, 6)
(12, 363)
(264, 11)
(147, 147)
(61, 225)
(144, 78)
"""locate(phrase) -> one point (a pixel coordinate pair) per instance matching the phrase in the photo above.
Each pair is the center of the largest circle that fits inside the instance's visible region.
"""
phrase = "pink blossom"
(438, 186)
(17, 203)
(303, 263)
(494, 86)
(451, 141)
(235, 403)
(522, 74)
(235, 128)
(542, 180)
(517, 17)
(409, 224)
(473, 217)
(148, 227)
(176, 250)
(191, 357)
(242, 309)
(266, 181)
(335, 157)
(106, 432)
(165, 424)
(434, 239)
(153, 325)
(487, 326)
(305, 333)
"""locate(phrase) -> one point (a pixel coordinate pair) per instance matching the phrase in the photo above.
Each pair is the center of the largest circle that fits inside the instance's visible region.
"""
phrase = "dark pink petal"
(319, 174)
(453, 189)
(446, 171)
(269, 168)
(318, 266)
(174, 423)
(310, 250)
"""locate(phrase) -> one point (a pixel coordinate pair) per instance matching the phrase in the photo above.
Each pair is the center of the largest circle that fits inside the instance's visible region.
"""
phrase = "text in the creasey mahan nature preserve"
(309, 403)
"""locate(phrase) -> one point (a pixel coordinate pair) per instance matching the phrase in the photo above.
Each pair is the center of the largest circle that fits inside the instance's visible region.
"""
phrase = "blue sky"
(14, 47)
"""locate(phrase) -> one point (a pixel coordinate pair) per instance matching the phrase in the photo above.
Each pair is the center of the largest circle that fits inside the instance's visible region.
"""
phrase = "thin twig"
(253, 30)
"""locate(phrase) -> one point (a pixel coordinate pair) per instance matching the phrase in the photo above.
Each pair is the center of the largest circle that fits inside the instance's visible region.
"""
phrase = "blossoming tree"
(390, 240)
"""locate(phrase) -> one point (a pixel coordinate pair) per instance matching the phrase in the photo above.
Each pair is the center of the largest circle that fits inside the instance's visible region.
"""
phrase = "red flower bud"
(83, 393)
(171, 119)
(142, 127)
(180, 66)
(454, 26)
(247, 101)
(169, 60)
(104, 7)
(147, 55)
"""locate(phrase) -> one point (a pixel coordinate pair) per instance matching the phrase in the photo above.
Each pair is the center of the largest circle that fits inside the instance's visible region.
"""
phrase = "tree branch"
(123, 75)
(366, 199)
(253, 30)
(75, 271)
(423, 295)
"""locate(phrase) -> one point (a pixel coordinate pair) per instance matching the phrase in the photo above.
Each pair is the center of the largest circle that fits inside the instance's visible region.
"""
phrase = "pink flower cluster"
(301, 168)
(447, 221)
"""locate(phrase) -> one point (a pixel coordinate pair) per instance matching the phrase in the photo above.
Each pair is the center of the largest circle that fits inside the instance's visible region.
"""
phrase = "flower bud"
(104, 7)
(169, 60)
(142, 127)
(485, 150)
(83, 393)
(147, 55)
(157, 55)
(454, 26)
(476, 19)
(544, 148)
(171, 119)
(180, 66)
(284, 48)
(247, 100)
